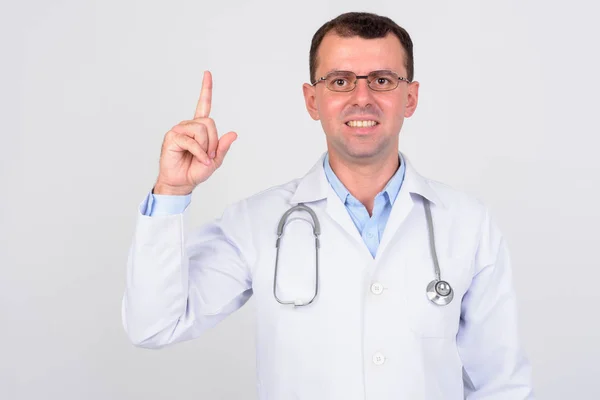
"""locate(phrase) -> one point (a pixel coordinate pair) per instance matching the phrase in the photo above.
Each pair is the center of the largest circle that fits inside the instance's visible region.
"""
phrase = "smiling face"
(361, 126)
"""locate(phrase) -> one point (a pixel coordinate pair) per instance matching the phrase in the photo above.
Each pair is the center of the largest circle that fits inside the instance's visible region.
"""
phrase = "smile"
(361, 124)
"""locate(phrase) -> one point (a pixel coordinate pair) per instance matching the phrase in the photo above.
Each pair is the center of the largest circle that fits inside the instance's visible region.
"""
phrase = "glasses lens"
(383, 80)
(340, 81)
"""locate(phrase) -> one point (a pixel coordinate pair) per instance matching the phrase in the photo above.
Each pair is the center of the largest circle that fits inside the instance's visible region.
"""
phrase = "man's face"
(337, 110)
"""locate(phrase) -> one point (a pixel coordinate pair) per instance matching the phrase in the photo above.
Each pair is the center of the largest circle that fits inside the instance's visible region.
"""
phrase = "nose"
(362, 95)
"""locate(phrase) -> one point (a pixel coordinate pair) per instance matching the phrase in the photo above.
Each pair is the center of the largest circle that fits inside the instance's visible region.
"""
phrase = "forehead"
(360, 55)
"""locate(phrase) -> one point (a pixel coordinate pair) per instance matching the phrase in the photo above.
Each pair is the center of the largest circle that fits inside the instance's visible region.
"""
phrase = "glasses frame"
(365, 77)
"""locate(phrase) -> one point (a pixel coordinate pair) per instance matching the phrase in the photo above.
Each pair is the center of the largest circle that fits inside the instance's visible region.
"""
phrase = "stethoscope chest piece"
(440, 292)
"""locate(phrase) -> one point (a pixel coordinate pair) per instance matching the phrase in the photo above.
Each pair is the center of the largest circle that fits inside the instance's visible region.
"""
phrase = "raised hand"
(191, 150)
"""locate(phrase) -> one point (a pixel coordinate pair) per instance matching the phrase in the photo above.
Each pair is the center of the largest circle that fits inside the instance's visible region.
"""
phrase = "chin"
(365, 151)
(361, 147)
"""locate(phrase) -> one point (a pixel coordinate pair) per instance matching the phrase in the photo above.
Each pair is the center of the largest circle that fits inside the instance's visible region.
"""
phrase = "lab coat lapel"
(314, 187)
(338, 212)
(413, 184)
(400, 210)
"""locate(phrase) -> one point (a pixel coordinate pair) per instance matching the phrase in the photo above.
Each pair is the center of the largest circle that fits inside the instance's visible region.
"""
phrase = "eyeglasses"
(345, 81)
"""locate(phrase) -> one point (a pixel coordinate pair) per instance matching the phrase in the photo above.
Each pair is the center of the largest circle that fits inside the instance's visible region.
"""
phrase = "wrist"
(162, 189)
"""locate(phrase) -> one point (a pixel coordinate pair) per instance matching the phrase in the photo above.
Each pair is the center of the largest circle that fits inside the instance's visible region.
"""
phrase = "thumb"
(223, 147)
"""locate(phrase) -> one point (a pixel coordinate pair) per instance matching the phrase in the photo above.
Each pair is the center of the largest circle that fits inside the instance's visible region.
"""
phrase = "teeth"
(361, 124)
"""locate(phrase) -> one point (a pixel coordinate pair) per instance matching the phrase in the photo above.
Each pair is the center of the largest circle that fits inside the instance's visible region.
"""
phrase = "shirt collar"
(391, 189)
(314, 187)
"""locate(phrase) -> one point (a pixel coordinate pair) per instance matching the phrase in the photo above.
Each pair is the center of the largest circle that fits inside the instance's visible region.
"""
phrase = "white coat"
(371, 333)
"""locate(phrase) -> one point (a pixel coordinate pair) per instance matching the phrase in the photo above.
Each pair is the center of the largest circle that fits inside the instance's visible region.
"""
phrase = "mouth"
(361, 123)
(362, 127)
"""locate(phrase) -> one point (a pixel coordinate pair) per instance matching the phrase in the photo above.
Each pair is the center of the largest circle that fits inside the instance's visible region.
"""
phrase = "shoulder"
(452, 201)
(282, 192)
(465, 213)
(455, 199)
(472, 217)
(265, 202)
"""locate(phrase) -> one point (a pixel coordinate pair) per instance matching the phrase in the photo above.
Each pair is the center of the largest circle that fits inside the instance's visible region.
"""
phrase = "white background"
(508, 112)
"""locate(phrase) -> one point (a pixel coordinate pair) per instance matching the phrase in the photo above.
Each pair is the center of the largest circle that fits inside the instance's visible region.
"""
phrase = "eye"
(383, 80)
(340, 82)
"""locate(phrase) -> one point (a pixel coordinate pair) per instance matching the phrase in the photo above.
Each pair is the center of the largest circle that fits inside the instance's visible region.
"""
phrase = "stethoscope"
(439, 292)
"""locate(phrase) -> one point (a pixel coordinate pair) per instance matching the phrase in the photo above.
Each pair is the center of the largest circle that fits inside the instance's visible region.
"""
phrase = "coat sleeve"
(179, 285)
(495, 365)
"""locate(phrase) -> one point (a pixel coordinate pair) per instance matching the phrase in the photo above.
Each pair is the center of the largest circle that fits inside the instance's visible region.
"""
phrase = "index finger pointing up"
(203, 107)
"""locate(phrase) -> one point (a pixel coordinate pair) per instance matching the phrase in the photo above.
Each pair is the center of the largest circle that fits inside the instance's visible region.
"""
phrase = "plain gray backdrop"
(508, 112)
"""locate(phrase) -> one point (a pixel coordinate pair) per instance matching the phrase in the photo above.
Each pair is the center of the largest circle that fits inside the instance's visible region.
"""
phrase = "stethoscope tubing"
(438, 291)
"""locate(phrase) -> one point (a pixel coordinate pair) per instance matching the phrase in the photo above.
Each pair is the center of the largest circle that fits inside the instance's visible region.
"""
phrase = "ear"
(412, 100)
(310, 93)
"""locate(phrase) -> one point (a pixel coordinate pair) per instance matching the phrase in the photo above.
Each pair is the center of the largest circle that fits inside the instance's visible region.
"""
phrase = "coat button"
(378, 358)
(377, 288)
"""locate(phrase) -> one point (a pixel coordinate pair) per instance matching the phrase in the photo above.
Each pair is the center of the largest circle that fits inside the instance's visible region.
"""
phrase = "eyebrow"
(345, 70)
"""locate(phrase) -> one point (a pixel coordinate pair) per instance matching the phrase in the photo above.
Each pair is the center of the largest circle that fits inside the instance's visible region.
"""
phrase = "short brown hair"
(366, 26)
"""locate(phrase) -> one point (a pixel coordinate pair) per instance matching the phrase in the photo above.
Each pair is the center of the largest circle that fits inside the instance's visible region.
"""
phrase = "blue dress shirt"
(157, 205)
(370, 227)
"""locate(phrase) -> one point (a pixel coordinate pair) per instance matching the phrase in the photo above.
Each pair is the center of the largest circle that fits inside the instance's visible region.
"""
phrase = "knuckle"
(212, 124)
(207, 121)
(170, 136)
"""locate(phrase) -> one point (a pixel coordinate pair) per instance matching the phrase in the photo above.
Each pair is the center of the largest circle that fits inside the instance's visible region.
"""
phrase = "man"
(348, 297)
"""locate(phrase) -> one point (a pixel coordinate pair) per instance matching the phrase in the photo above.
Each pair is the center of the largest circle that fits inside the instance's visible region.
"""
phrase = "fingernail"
(213, 154)
(207, 162)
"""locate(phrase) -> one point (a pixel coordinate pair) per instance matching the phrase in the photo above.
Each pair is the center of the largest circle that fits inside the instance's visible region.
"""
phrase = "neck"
(365, 180)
